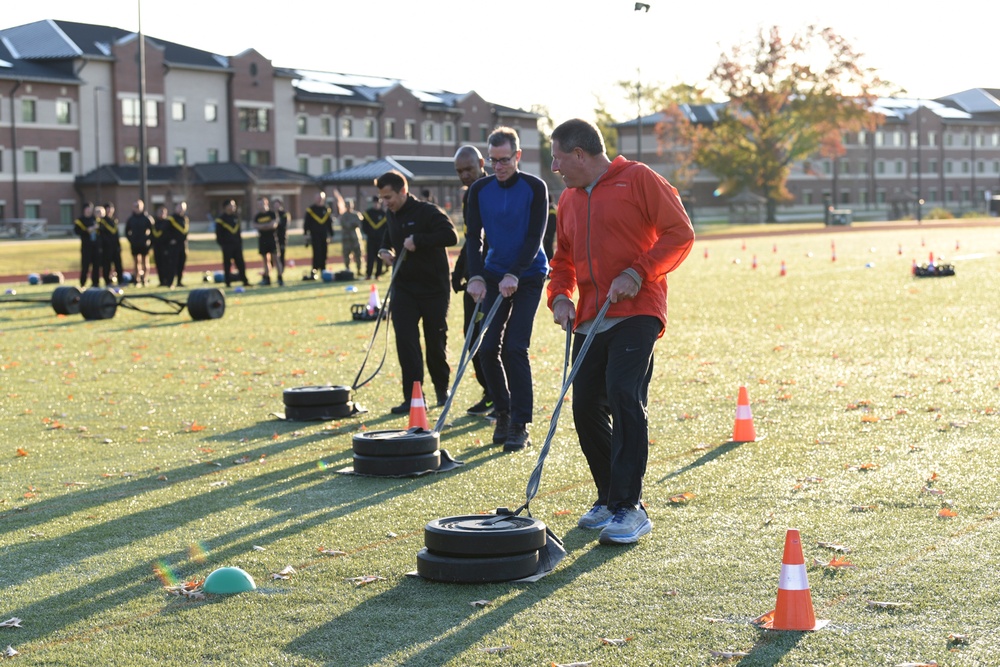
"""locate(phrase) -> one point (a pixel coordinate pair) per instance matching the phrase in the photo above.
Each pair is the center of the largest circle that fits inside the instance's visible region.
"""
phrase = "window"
(862, 138)
(932, 166)
(64, 115)
(346, 127)
(932, 194)
(153, 155)
(211, 112)
(65, 162)
(845, 167)
(949, 139)
(807, 197)
(253, 120)
(180, 156)
(897, 138)
(370, 128)
(949, 166)
(914, 167)
(980, 167)
(410, 130)
(130, 113)
(965, 166)
(29, 111)
(255, 158)
(428, 131)
(327, 165)
(390, 129)
(996, 165)
(827, 168)
(67, 213)
(33, 211)
(213, 155)
(177, 111)
(130, 154)
(484, 133)
(1, 165)
(880, 139)
(449, 132)
(932, 139)
(348, 162)
(466, 133)
(325, 126)
(914, 138)
(30, 161)
(863, 166)
(301, 124)
(304, 165)
(845, 197)
(900, 167)
(880, 167)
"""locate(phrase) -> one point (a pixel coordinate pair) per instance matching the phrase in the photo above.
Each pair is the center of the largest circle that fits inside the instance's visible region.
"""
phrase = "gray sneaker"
(597, 517)
(626, 526)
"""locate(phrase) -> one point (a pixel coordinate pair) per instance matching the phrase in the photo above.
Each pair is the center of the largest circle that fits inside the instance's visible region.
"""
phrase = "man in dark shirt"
(420, 286)
(180, 226)
(90, 249)
(139, 232)
(229, 237)
(469, 167)
(373, 229)
(266, 223)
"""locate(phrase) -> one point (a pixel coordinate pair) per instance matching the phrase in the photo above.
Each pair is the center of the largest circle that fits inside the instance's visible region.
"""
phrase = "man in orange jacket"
(620, 229)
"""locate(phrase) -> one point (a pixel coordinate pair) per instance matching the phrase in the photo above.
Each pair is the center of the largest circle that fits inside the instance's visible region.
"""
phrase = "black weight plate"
(396, 443)
(475, 570)
(317, 395)
(52, 278)
(391, 466)
(206, 304)
(66, 300)
(98, 304)
(484, 535)
(318, 412)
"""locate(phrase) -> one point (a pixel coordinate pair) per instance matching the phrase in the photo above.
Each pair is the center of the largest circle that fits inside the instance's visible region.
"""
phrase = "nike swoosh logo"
(631, 349)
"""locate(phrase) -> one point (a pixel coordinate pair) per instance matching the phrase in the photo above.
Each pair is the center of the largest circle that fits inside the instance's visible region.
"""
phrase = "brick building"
(217, 127)
(945, 152)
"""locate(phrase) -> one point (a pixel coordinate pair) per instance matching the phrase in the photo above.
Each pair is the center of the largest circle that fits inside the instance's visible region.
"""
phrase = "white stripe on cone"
(743, 412)
(793, 578)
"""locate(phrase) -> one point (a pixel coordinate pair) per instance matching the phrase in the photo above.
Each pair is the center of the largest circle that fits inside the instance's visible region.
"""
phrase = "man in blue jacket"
(509, 210)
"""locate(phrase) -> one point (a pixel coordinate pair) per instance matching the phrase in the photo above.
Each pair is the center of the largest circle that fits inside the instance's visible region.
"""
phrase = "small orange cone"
(794, 608)
(706, 252)
(418, 410)
(783, 270)
(743, 431)
(754, 265)
(374, 304)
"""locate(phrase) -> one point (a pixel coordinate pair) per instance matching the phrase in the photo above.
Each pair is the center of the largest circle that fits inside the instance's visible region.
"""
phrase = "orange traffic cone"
(374, 305)
(784, 271)
(794, 608)
(743, 431)
(418, 410)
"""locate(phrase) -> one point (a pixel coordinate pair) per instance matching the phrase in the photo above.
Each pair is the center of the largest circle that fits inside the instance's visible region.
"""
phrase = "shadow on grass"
(432, 622)
(273, 490)
(707, 457)
(771, 648)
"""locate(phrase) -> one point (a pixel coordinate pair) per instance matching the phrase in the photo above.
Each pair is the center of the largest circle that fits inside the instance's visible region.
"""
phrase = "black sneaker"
(501, 428)
(517, 438)
(401, 409)
(482, 408)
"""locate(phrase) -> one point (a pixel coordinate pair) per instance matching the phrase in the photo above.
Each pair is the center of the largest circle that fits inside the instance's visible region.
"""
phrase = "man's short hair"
(504, 135)
(578, 133)
(468, 150)
(391, 179)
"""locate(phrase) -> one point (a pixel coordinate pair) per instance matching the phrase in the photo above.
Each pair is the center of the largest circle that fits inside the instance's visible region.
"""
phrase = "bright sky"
(559, 53)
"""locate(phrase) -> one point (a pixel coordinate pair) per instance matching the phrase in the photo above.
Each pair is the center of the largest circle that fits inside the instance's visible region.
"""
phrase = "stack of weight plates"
(318, 403)
(396, 453)
(481, 548)
(66, 300)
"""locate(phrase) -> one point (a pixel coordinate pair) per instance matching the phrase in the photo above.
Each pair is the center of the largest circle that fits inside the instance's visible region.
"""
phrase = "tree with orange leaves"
(787, 100)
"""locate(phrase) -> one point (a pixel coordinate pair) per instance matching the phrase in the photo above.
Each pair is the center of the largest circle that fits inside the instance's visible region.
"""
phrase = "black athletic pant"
(407, 312)
(372, 261)
(90, 263)
(232, 253)
(610, 394)
(319, 253)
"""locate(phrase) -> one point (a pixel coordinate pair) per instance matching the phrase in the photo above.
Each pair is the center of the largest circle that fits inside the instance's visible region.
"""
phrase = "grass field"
(149, 442)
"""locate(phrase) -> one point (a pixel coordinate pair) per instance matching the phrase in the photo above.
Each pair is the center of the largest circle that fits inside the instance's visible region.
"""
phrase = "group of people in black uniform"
(165, 235)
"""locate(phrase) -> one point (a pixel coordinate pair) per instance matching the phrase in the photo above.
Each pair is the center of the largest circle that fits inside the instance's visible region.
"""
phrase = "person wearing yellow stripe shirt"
(228, 236)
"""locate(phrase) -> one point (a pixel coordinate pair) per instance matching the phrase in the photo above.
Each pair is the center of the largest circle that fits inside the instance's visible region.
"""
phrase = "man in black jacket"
(90, 247)
(469, 165)
(421, 287)
(229, 237)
